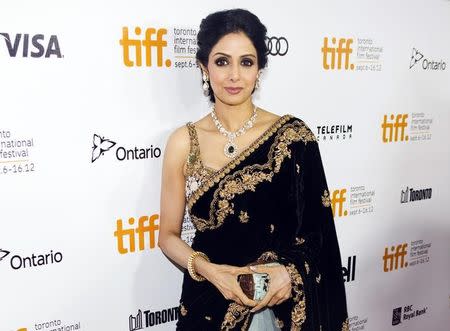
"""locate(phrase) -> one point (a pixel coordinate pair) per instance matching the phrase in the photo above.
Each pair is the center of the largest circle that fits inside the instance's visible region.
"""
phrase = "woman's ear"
(204, 69)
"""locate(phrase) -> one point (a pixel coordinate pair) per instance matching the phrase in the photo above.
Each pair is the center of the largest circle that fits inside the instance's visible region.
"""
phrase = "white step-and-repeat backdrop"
(90, 91)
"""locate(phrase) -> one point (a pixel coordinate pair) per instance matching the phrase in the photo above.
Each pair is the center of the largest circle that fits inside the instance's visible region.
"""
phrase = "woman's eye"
(221, 62)
(247, 62)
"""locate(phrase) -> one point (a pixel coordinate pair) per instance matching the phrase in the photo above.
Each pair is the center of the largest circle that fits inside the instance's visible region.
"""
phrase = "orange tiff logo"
(139, 49)
(333, 56)
(145, 231)
(395, 259)
(337, 202)
(391, 129)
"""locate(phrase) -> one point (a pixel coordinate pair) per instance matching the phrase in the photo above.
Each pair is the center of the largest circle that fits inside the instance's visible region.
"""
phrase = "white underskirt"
(264, 320)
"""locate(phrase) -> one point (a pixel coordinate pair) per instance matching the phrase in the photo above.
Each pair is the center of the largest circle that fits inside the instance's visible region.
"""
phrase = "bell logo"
(395, 260)
(142, 48)
(22, 329)
(390, 131)
(146, 225)
(337, 202)
(329, 54)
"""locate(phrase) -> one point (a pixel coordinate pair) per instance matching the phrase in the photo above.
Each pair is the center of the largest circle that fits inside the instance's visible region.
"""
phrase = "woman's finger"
(243, 297)
(263, 302)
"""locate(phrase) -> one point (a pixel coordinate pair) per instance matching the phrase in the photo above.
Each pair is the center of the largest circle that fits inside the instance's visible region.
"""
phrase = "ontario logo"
(3, 254)
(17, 262)
(427, 64)
(160, 47)
(101, 145)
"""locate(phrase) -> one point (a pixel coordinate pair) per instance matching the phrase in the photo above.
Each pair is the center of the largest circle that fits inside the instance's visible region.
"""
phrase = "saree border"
(217, 176)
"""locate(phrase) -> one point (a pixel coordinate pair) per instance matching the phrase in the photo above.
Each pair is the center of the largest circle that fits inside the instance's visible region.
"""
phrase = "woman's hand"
(279, 285)
(224, 278)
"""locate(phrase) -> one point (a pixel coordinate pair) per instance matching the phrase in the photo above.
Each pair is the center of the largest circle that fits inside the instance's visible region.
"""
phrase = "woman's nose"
(234, 73)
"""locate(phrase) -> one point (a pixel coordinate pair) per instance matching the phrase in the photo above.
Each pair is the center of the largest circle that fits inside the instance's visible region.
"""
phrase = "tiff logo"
(146, 225)
(337, 202)
(392, 261)
(41, 48)
(330, 62)
(391, 130)
(141, 48)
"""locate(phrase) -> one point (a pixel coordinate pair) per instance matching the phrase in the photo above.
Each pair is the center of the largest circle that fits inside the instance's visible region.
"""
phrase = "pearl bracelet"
(190, 265)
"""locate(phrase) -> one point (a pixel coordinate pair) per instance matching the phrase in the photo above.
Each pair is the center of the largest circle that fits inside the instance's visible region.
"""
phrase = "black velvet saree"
(272, 200)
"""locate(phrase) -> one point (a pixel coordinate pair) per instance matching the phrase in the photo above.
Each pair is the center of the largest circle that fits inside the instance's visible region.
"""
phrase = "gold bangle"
(190, 265)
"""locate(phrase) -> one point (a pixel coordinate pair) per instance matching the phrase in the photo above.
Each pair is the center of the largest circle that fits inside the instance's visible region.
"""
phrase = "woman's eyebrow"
(227, 55)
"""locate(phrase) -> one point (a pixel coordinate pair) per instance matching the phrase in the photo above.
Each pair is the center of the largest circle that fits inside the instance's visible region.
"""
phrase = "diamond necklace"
(230, 149)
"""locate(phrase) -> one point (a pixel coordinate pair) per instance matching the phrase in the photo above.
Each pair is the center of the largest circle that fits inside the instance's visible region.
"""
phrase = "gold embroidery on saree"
(298, 313)
(243, 217)
(345, 325)
(299, 241)
(326, 201)
(196, 173)
(249, 177)
(318, 278)
(279, 323)
(234, 315)
(217, 176)
(307, 267)
(268, 256)
(183, 310)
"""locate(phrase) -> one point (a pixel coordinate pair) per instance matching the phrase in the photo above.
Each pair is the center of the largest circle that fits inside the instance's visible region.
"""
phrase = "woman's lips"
(233, 90)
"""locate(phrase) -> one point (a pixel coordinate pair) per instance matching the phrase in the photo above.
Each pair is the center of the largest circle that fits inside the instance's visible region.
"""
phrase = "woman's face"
(233, 68)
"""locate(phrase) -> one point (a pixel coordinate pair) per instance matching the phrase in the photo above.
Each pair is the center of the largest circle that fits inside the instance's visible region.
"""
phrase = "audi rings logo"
(277, 46)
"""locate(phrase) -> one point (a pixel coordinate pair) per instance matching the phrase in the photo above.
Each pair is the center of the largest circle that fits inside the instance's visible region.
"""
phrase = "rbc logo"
(42, 48)
(141, 47)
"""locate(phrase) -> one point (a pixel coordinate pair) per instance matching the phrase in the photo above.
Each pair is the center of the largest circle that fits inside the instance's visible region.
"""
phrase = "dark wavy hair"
(218, 24)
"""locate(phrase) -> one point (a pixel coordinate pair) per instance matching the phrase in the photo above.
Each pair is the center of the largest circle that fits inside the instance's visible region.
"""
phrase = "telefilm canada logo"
(31, 45)
(419, 60)
(101, 145)
(334, 132)
(146, 319)
(406, 313)
(18, 262)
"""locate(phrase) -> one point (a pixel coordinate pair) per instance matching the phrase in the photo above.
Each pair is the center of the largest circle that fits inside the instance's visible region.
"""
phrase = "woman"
(254, 187)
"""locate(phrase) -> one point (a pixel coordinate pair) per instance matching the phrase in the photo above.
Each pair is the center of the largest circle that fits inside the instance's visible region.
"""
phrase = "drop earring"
(205, 84)
(257, 83)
